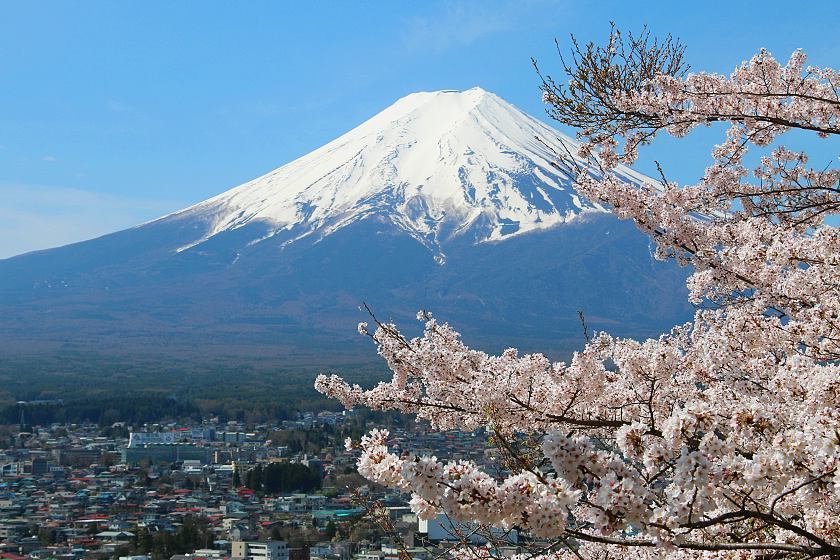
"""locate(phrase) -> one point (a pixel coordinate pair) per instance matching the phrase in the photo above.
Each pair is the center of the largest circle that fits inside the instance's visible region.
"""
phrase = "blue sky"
(114, 113)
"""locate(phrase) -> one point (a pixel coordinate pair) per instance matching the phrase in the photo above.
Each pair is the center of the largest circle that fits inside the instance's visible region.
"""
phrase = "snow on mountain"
(434, 164)
(284, 261)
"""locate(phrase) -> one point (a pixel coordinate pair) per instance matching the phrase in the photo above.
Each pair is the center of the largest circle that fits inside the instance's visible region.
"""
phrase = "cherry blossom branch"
(720, 435)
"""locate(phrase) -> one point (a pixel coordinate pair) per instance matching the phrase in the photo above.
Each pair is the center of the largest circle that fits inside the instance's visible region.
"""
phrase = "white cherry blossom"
(719, 439)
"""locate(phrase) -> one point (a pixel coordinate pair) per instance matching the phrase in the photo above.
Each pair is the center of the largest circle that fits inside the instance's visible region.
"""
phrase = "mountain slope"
(449, 201)
(435, 164)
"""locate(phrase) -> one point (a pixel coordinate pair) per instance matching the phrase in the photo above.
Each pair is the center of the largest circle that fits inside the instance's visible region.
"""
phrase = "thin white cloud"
(49, 158)
(460, 24)
(115, 106)
(34, 217)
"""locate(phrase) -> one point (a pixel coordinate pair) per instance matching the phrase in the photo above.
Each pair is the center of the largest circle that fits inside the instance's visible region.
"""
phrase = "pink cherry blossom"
(719, 439)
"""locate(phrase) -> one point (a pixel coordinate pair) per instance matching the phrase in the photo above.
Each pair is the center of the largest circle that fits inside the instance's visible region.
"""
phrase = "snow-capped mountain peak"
(278, 266)
(435, 164)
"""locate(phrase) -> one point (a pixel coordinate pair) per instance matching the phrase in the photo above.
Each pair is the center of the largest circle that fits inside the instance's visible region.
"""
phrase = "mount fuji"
(451, 201)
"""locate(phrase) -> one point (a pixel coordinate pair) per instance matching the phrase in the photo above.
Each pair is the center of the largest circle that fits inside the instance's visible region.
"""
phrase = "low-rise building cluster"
(211, 491)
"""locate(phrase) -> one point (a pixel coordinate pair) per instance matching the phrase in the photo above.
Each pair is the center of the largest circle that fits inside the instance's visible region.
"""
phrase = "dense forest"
(282, 478)
(106, 390)
(133, 410)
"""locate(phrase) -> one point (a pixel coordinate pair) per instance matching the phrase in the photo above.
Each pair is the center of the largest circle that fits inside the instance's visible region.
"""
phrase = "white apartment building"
(259, 550)
(138, 439)
(194, 435)
(441, 528)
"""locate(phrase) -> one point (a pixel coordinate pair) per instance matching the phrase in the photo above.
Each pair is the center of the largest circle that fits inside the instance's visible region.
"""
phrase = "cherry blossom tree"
(719, 439)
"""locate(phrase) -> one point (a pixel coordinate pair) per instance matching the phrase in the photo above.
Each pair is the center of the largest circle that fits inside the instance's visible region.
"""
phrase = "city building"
(259, 550)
